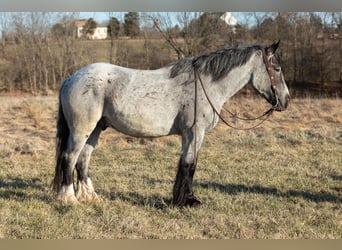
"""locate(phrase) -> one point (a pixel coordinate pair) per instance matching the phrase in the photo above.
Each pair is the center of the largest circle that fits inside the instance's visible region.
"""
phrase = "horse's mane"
(216, 63)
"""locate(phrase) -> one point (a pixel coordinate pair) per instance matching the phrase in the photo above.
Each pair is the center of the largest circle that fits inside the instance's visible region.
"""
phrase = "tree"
(113, 27)
(131, 24)
(210, 30)
(64, 28)
(58, 30)
(316, 22)
(164, 25)
(283, 27)
(89, 27)
(199, 32)
(340, 44)
(4, 27)
(265, 30)
(207, 24)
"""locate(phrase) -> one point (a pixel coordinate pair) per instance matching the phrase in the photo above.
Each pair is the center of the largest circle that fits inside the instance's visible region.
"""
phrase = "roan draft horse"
(183, 98)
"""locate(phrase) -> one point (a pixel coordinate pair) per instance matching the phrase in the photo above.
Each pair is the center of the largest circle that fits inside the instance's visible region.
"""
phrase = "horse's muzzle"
(282, 103)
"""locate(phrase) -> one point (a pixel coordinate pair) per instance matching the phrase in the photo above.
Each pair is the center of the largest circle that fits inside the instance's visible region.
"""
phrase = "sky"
(97, 16)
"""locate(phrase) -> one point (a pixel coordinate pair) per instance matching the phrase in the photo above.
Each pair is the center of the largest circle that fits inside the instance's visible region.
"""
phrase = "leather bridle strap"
(198, 77)
(269, 69)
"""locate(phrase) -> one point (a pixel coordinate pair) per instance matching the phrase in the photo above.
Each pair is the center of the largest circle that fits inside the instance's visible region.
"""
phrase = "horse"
(156, 103)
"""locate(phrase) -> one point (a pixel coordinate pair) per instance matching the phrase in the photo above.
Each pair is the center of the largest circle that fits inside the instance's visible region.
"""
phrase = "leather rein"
(262, 118)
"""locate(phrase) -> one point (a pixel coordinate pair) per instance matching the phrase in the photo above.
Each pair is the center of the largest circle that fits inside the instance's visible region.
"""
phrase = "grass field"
(281, 180)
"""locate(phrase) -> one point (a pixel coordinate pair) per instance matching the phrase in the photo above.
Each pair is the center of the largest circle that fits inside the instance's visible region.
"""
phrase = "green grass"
(266, 183)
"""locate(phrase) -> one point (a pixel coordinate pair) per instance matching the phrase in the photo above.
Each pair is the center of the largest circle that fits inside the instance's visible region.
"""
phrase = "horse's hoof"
(66, 195)
(68, 199)
(89, 198)
(193, 203)
(86, 192)
(189, 202)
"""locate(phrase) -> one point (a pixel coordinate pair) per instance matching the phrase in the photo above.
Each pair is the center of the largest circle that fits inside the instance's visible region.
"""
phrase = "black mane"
(217, 63)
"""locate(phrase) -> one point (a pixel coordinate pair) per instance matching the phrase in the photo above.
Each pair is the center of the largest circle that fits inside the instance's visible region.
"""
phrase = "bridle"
(262, 118)
(269, 69)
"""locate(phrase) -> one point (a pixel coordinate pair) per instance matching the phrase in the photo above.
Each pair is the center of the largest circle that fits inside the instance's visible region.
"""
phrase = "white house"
(99, 33)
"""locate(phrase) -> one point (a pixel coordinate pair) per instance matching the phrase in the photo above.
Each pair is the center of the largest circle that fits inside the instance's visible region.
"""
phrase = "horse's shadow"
(136, 199)
(234, 189)
(336, 177)
(159, 202)
(15, 188)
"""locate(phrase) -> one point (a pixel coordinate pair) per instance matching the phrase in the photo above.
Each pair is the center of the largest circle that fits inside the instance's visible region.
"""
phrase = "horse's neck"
(233, 82)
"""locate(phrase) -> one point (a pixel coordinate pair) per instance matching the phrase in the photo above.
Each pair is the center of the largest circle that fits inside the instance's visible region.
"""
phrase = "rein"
(263, 117)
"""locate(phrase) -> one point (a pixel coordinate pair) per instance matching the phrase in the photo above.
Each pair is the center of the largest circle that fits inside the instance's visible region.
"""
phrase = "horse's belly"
(139, 122)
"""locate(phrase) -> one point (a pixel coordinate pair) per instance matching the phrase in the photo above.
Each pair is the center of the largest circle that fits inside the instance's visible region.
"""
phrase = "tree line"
(39, 49)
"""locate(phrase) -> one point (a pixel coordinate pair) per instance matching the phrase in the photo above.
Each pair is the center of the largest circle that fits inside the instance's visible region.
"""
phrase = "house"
(100, 32)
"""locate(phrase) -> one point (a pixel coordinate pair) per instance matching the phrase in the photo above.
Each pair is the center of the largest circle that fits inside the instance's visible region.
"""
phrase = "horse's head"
(268, 78)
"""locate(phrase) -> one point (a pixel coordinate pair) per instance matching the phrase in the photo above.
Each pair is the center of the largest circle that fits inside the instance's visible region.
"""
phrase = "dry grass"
(281, 180)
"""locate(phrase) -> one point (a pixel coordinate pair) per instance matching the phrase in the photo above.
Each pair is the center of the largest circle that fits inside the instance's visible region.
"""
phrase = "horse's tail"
(62, 136)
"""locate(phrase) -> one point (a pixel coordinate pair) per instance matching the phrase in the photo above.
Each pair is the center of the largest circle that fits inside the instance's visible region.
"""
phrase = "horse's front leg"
(183, 194)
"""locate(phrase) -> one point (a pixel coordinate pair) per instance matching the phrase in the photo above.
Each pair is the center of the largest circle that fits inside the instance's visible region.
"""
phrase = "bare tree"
(340, 44)
(293, 19)
(4, 27)
(114, 28)
(164, 24)
(39, 58)
(190, 33)
(336, 34)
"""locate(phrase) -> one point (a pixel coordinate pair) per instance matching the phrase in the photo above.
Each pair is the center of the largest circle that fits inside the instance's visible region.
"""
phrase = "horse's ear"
(272, 48)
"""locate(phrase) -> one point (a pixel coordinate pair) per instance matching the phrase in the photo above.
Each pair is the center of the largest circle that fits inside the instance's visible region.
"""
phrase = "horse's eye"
(277, 69)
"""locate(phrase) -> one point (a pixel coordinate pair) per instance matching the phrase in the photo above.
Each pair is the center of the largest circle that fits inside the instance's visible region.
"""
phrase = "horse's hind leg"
(86, 192)
(66, 193)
